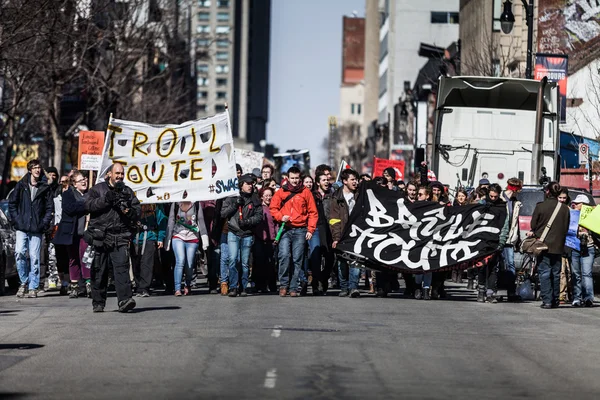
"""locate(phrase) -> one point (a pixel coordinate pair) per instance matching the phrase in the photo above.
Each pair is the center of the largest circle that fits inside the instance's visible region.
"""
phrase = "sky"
(305, 71)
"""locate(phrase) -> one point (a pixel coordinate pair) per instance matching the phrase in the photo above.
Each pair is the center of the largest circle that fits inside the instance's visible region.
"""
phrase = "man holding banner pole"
(113, 209)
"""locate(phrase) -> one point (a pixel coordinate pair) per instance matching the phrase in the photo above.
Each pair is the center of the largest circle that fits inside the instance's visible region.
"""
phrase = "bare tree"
(489, 55)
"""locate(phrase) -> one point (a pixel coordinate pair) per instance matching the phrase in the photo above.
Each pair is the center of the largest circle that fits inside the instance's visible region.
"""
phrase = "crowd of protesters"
(275, 237)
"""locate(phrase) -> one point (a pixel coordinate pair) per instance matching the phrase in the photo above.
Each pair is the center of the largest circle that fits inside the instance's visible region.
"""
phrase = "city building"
(410, 32)
(231, 46)
(350, 142)
(485, 49)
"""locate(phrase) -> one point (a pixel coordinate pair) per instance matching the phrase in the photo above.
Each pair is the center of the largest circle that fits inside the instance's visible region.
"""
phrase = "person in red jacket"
(295, 206)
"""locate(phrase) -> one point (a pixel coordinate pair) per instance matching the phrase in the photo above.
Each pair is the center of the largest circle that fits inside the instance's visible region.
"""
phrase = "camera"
(122, 200)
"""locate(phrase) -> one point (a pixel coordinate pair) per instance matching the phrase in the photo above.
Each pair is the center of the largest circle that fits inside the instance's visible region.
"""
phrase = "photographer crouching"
(113, 210)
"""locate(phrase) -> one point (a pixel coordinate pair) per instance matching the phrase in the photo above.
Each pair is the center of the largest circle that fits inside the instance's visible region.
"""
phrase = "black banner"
(387, 232)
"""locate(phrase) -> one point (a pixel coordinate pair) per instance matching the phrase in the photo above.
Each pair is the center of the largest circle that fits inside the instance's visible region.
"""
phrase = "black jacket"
(323, 221)
(252, 214)
(31, 216)
(555, 240)
(109, 224)
(73, 208)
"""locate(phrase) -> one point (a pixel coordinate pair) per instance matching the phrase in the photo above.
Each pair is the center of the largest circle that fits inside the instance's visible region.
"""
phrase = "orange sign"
(91, 144)
(379, 164)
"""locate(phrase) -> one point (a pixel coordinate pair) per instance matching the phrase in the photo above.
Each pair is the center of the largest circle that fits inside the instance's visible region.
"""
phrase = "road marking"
(276, 331)
(271, 379)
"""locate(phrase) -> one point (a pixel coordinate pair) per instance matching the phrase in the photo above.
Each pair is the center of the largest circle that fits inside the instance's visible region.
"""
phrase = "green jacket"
(157, 226)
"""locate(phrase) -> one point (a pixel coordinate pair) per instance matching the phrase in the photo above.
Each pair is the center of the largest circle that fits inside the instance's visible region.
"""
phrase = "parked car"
(8, 268)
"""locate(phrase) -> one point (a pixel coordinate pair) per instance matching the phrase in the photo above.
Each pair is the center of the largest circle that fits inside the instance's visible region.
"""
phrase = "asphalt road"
(297, 348)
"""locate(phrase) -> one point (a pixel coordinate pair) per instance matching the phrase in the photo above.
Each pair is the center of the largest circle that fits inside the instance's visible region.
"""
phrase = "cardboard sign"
(572, 241)
(380, 164)
(590, 218)
(193, 161)
(249, 160)
(91, 144)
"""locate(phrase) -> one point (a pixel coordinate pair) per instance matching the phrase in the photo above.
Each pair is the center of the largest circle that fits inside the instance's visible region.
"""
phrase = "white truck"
(486, 128)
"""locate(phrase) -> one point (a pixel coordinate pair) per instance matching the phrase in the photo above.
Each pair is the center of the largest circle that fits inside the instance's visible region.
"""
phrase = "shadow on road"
(8, 313)
(11, 395)
(19, 346)
(144, 309)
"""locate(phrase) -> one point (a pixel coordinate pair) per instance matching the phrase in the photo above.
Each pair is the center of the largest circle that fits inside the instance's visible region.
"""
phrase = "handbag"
(535, 246)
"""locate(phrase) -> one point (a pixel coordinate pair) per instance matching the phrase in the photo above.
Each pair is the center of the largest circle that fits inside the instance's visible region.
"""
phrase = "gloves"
(110, 197)
(205, 242)
(244, 223)
(240, 201)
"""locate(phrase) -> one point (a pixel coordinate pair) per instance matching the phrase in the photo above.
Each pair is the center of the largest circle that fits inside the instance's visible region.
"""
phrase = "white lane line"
(271, 378)
(276, 331)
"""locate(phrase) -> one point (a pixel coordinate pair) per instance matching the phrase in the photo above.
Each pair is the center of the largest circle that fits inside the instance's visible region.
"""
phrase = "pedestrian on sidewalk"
(31, 209)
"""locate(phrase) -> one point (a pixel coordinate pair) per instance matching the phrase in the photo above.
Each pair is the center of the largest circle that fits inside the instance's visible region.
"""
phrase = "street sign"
(583, 152)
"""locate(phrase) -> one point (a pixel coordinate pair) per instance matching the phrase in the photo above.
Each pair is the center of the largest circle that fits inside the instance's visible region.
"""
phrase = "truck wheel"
(2, 274)
(13, 283)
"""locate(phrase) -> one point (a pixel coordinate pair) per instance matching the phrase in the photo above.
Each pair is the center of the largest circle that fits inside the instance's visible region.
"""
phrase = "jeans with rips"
(583, 283)
(239, 247)
(291, 257)
(28, 272)
(185, 256)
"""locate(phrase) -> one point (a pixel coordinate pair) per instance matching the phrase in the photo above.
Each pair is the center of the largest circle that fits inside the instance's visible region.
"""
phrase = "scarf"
(294, 189)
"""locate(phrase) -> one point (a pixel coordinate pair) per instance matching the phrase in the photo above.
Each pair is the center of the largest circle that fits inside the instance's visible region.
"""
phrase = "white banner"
(193, 161)
(249, 160)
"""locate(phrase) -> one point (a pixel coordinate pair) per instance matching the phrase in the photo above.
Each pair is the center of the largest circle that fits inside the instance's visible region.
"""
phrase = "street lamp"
(507, 22)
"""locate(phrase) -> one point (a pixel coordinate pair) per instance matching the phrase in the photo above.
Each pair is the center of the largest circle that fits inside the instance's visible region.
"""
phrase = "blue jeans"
(583, 284)
(348, 276)
(549, 273)
(239, 246)
(312, 260)
(185, 254)
(508, 255)
(32, 243)
(424, 279)
(291, 257)
(224, 263)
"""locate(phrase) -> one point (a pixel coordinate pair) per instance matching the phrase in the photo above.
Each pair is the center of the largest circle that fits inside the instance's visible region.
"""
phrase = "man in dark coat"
(113, 210)
(549, 262)
(31, 210)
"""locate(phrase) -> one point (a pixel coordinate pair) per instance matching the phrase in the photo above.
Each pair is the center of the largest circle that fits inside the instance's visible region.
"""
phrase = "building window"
(202, 107)
(202, 68)
(223, 16)
(202, 42)
(352, 108)
(203, 3)
(222, 3)
(202, 95)
(383, 47)
(496, 67)
(202, 81)
(222, 29)
(219, 108)
(358, 109)
(222, 43)
(222, 82)
(496, 15)
(221, 95)
(443, 17)
(222, 69)
(203, 29)
(203, 16)
(222, 55)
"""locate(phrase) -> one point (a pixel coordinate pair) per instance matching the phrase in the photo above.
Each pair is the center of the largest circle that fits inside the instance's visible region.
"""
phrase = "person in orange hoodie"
(294, 206)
